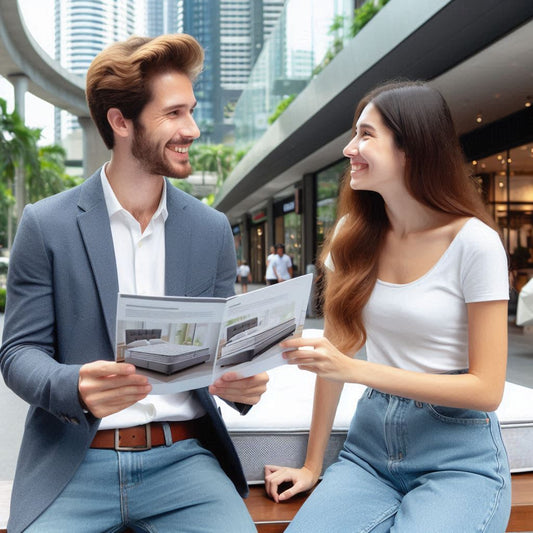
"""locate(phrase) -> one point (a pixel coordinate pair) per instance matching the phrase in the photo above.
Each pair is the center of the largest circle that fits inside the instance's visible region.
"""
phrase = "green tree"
(42, 169)
(18, 155)
(217, 158)
(182, 184)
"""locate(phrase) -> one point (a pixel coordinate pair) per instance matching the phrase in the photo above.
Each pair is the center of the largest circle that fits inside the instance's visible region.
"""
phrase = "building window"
(507, 182)
(327, 184)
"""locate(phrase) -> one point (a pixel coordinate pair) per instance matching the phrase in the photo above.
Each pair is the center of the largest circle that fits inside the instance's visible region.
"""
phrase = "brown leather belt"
(145, 437)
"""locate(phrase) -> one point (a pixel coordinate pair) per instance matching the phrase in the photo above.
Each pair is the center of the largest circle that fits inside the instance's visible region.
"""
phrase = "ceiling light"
(479, 118)
(528, 101)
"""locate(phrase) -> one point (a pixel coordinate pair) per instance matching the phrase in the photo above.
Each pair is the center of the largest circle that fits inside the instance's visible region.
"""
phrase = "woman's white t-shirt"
(423, 325)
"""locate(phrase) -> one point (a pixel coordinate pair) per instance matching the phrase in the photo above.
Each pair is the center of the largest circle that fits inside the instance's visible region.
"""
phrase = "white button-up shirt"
(140, 259)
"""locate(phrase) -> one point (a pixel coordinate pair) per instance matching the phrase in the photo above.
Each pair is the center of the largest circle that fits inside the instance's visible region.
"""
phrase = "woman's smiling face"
(375, 159)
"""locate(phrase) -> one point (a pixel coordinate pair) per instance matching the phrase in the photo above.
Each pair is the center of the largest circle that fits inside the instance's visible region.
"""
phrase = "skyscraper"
(82, 29)
(163, 16)
(232, 33)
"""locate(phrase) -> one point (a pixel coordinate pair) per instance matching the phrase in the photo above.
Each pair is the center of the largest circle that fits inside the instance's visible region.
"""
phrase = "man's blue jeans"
(177, 488)
(412, 467)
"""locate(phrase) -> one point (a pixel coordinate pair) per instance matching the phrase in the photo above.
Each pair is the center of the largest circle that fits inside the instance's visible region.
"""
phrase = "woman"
(416, 272)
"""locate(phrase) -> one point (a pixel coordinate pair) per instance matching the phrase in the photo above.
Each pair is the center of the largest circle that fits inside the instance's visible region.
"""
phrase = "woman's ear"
(120, 125)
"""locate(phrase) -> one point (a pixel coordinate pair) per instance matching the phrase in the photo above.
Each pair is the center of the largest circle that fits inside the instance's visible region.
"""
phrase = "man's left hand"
(234, 388)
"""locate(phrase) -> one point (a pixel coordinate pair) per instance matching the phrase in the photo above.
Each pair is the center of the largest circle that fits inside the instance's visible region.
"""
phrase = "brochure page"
(184, 343)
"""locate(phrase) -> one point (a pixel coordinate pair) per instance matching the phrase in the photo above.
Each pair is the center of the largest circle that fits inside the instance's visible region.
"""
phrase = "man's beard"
(152, 161)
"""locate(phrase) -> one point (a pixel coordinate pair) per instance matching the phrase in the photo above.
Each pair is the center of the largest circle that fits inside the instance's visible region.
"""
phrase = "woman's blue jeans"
(177, 488)
(412, 467)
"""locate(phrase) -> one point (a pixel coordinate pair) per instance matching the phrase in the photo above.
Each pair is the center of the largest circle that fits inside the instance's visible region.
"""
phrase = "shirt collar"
(114, 206)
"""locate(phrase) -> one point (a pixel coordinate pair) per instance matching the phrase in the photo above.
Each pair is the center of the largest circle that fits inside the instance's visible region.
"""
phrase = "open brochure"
(184, 343)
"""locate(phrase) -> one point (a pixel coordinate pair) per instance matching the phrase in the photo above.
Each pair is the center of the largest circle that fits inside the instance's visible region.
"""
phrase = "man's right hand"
(106, 387)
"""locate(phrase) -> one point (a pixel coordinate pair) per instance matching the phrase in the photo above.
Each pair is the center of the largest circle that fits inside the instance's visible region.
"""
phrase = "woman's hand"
(318, 355)
(302, 479)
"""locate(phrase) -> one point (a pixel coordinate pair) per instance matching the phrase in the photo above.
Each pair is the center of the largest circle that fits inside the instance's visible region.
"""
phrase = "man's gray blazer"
(60, 314)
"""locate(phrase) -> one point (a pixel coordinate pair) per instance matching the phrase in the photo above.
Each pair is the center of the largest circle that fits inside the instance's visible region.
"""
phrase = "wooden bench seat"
(270, 517)
(274, 518)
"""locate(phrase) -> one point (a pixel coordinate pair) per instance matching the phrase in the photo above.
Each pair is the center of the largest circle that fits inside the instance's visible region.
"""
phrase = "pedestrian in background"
(270, 276)
(282, 264)
(244, 276)
(418, 274)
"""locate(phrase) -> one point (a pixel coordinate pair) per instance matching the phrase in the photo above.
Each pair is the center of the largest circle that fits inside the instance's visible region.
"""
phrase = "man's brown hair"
(119, 76)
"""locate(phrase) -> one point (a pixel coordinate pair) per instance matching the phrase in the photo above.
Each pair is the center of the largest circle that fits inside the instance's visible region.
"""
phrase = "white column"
(20, 84)
(95, 152)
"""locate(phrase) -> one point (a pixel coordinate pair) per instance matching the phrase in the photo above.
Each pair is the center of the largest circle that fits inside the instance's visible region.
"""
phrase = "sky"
(38, 16)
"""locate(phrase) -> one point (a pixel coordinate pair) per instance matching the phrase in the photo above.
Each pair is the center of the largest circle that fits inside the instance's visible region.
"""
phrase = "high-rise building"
(163, 16)
(232, 33)
(201, 19)
(82, 29)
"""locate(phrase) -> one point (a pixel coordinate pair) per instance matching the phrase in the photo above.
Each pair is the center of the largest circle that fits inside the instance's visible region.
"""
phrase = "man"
(125, 229)
(282, 264)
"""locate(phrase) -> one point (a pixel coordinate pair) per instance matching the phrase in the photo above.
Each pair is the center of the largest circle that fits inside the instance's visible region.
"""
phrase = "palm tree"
(50, 178)
(41, 169)
(18, 154)
(218, 158)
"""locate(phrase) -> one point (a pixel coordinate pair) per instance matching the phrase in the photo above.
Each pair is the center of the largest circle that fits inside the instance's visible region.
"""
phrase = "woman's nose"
(350, 149)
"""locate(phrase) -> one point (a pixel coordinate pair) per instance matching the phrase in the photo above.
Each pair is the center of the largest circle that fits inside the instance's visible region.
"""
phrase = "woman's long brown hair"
(435, 175)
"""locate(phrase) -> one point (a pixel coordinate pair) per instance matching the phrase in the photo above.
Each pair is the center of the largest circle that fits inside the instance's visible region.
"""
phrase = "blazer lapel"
(96, 234)
(178, 232)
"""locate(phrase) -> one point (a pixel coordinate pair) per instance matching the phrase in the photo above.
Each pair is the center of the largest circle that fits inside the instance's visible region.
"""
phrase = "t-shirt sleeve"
(485, 270)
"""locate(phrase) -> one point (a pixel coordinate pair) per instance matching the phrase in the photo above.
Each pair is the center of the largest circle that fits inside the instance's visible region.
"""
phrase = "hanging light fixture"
(479, 118)
(528, 101)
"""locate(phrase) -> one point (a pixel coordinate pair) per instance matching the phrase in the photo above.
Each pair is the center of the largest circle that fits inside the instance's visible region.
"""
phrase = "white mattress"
(275, 431)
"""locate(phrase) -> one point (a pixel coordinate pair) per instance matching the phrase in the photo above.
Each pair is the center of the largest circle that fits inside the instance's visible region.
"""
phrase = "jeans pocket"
(458, 415)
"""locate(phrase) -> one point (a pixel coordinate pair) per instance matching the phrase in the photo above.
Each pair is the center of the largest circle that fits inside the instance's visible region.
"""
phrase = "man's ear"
(120, 125)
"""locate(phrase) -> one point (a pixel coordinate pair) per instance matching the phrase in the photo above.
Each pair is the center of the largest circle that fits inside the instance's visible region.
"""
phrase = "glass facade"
(507, 180)
(327, 191)
(298, 45)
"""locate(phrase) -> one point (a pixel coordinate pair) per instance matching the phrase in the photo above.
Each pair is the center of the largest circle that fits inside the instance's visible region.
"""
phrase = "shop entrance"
(258, 252)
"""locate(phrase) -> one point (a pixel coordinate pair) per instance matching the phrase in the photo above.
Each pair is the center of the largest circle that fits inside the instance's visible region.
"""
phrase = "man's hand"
(234, 388)
(106, 388)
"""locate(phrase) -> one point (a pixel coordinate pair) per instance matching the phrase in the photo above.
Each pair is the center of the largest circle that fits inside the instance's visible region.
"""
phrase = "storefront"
(258, 250)
(288, 229)
(507, 180)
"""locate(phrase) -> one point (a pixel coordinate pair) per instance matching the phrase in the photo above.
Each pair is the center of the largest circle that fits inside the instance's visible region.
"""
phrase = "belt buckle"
(148, 446)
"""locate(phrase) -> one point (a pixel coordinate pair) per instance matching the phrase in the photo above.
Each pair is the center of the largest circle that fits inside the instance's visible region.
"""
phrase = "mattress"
(275, 431)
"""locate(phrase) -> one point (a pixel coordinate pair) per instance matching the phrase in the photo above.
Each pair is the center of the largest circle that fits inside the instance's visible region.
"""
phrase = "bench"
(271, 517)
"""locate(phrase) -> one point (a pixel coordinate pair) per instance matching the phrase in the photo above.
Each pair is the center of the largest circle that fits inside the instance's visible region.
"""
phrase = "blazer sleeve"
(27, 356)
(226, 264)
